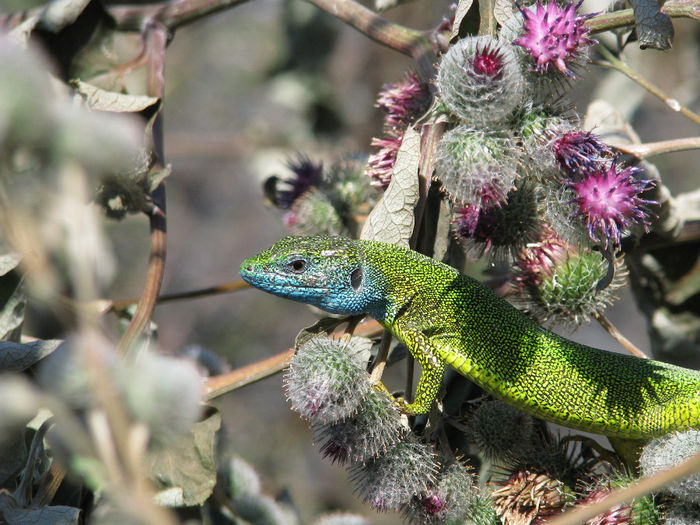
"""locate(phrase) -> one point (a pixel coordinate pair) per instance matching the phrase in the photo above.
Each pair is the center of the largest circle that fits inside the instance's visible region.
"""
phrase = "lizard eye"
(298, 265)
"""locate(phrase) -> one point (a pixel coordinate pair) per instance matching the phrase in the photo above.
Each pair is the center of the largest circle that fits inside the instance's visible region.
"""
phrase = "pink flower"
(488, 62)
(580, 152)
(306, 175)
(539, 259)
(554, 35)
(403, 101)
(609, 202)
(380, 165)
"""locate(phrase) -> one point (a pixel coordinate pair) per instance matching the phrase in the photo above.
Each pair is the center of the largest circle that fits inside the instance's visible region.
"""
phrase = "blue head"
(326, 272)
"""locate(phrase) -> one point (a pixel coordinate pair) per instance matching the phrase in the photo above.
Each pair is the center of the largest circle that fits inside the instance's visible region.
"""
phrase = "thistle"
(580, 152)
(501, 230)
(403, 101)
(608, 202)
(554, 36)
(559, 283)
(380, 165)
(326, 380)
(306, 174)
(447, 501)
(480, 81)
(476, 167)
(371, 431)
(501, 432)
(393, 479)
(529, 497)
(314, 214)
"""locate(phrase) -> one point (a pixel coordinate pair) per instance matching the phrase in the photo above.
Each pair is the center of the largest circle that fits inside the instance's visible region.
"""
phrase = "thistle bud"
(368, 433)
(668, 451)
(448, 501)
(480, 81)
(393, 479)
(476, 167)
(559, 283)
(326, 380)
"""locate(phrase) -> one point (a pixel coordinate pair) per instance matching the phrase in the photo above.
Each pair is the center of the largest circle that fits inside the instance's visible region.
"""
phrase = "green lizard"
(448, 319)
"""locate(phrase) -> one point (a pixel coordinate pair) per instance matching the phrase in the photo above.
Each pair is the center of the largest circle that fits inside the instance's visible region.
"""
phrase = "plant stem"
(156, 40)
(627, 494)
(221, 384)
(613, 331)
(400, 38)
(615, 63)
(233, 286)
(625, 17)
(170, 14)
(650, 149)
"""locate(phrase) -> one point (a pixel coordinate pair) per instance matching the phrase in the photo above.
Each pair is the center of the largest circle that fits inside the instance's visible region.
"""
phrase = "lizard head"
(326, 272)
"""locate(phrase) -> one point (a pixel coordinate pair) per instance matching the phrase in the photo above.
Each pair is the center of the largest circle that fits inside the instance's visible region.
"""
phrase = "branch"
(650, 149)
(156, 39)
(221, 384)
(400, 38)
(627, 494)
(234, 286)
(171, 14)
(625, 17)
(615, 63)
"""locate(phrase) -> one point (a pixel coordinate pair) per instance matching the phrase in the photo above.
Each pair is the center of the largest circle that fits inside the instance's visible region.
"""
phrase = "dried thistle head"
(530, 497)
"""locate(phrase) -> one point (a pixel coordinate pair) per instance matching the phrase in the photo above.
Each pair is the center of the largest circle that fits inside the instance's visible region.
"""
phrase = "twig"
(650, 149)
(610, 328)
(643, 487)
(221, 384)
(625, 17)
(380, 361)
(615, 63)
(171, 14)
(232, 286)
(400, 38)
(156, 42)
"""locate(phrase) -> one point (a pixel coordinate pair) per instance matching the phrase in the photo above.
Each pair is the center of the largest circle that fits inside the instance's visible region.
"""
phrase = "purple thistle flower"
(554, 35)
(403, 101)
(580, 152)
(467, 219)
(609, 202)
(488, 62)
(539, 259)
(434, 504)
(306, 175)
(380, 165)
(620, 514)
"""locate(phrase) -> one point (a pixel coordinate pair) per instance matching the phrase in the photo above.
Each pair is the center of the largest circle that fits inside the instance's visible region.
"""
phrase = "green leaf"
(16, 357)
(654, 29)
(97, 98)
(392, 219)
(12, 298)
(188, 463)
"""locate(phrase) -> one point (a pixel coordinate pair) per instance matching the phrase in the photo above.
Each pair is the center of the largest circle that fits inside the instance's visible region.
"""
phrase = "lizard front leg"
(433, 369)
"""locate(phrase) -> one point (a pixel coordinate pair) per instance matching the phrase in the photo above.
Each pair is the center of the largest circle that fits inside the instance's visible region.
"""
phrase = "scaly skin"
(448, 319)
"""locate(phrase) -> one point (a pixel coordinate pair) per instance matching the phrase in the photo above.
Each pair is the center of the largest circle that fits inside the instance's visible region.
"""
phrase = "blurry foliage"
(92, 433)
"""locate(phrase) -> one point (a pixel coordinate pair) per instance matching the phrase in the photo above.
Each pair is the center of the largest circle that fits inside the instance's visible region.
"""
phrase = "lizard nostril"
(249, 268)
